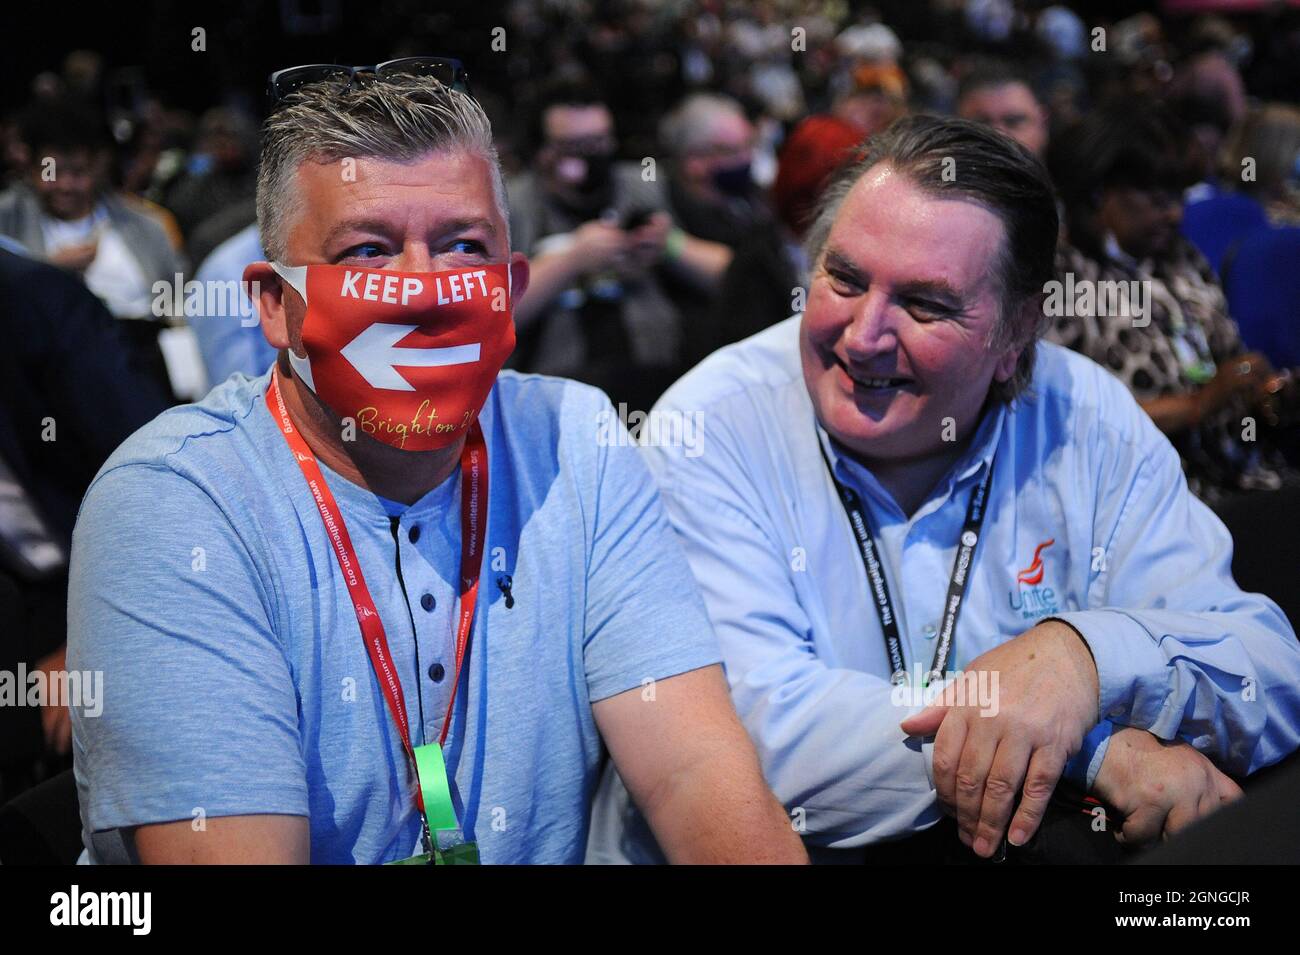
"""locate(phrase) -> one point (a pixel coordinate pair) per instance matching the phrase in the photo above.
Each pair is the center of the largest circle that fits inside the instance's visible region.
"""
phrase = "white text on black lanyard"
(880, 588)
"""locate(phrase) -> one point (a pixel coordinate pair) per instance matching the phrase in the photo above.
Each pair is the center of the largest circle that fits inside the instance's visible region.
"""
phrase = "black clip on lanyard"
(880, 588)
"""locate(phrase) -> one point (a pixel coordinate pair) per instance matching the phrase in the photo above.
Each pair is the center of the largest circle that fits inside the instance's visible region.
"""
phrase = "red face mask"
(409, 356)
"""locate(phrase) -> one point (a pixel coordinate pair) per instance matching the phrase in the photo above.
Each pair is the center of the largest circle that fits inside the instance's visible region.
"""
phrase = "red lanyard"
(473, 514)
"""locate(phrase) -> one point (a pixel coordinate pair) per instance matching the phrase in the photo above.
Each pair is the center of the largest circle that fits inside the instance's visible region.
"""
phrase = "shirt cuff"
(927, 758)
(1082, 768)
(1126, 655)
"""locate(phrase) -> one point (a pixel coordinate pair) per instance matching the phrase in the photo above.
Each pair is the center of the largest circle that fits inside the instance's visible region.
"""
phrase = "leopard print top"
(1188, 335)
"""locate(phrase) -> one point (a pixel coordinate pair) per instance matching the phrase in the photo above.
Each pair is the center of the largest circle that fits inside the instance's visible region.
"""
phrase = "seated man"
(273, 581)
(231, 343)
(998, 95)
(899, 485)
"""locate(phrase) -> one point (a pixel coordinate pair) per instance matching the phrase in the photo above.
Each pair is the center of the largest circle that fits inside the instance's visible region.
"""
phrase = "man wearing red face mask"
(386, 603)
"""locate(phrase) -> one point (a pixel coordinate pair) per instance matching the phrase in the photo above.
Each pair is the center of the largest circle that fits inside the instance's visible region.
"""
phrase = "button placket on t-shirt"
(431, 603)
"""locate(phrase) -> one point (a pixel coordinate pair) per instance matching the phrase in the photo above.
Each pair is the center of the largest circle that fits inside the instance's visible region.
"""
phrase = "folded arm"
(691, 769)
(1180, 649)
(828, 737)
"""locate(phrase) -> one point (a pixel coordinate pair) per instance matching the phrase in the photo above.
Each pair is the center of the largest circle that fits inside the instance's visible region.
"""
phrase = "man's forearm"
(549, 275)
(702, 262)
(835, 754)
(1173, 414)
(1153, 663)
(721, 811)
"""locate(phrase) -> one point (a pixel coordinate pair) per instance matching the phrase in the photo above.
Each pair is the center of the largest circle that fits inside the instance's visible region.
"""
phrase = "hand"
(56, 720)
(1047, 693)
(1276, 399)
(1245, 376)
(646, 242)
(1159, 787)
(76, 257)
(598, 246)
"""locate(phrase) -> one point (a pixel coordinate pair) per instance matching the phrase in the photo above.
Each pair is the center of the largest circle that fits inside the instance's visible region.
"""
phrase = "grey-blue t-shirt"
(235, 679)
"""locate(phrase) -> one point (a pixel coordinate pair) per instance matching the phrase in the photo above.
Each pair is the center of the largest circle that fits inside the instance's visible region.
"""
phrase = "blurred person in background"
(1206, 122)
(877, 97)
(770, 271)
(1209, 70)
(220, 171)
(595, 229)
(68, 397)
(231, 343)
(712, 194)
(867, 87)
(1267, 144)
(1139, 59)
(996, 94)
(1120, 174)
(1208, 94)
(219, 227)
(66, 212)
(711, 188)
(1216, 214)
(1255, 222)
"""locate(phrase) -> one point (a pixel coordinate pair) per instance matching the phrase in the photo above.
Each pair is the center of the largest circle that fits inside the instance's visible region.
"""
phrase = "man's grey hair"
(688, 126)
(958, 159)
(398, 119)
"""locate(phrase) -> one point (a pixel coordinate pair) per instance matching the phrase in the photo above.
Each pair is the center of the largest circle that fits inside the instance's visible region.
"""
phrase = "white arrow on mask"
(375, 356)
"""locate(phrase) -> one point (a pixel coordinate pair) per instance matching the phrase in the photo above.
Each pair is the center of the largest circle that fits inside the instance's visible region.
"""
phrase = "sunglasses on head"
(449, 72)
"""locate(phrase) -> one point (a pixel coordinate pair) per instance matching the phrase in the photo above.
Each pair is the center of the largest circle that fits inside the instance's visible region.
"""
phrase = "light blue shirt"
(231, 343)
(235, 677)
(1136, 563)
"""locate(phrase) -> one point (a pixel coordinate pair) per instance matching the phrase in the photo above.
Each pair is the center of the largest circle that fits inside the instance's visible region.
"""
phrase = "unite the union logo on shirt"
(1031, 598)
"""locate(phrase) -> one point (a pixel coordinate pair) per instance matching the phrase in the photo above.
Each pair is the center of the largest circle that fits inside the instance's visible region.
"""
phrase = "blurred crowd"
(663, 160)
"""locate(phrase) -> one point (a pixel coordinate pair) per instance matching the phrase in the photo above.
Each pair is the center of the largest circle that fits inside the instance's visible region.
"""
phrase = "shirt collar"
(360, 504)
(977, 457)
(373, 508)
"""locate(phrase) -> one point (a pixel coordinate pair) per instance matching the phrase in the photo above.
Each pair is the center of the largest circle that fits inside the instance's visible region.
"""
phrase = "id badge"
(464, 854)
(451, 849)
(449, 844)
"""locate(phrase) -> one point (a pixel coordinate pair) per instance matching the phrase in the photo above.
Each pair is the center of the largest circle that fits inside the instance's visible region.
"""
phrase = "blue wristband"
(1080, 769)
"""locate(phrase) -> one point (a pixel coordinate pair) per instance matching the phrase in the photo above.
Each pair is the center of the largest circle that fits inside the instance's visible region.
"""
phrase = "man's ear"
(519, 271)
(1007, 364)
(271, 302)
(1026, 318)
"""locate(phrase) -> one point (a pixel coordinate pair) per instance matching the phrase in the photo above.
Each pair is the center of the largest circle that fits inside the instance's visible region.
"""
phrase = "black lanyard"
(961, 566)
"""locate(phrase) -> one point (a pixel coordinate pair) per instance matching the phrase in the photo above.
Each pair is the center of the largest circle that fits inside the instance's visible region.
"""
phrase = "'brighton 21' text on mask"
(408, 356)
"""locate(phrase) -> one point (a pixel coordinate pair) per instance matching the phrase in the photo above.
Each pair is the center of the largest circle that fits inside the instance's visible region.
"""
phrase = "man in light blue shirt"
(231, 343)
(1094, 601)
(241, 718)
